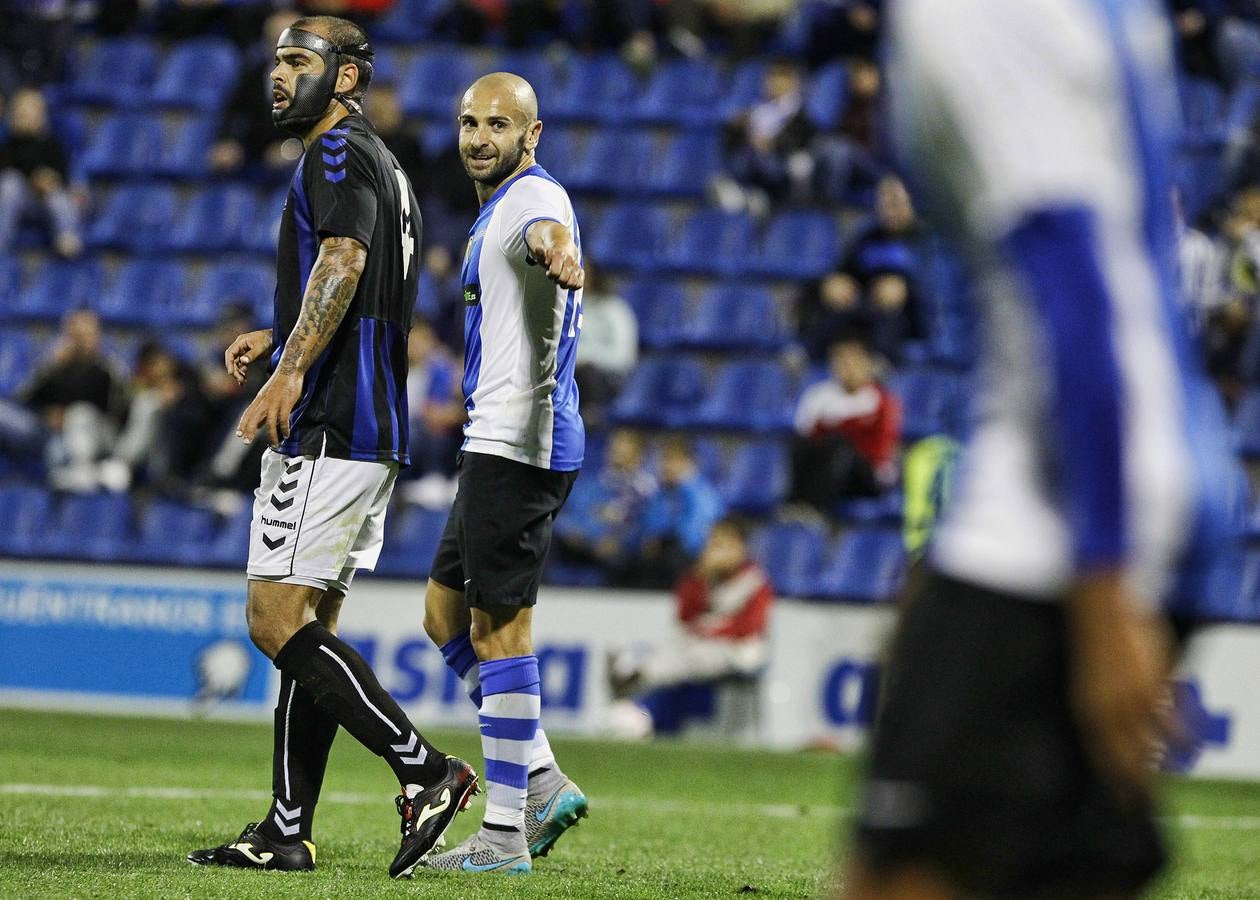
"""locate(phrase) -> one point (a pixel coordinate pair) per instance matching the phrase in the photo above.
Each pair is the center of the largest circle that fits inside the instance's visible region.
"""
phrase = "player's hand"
(244, 350)
(1121, 660)
(563, 267)
(271, 410)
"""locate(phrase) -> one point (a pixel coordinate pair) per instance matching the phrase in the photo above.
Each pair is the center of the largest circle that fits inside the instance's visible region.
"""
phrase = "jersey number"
(408, 239)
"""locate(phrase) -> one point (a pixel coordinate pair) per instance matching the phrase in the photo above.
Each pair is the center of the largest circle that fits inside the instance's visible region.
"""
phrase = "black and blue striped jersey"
(354, 400)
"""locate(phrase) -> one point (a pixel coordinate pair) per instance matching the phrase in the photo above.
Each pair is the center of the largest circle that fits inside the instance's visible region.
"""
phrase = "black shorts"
(499, 530)
(976, 763)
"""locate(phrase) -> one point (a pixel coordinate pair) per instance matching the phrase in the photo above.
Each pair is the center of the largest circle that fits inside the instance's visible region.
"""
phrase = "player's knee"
(269, 628)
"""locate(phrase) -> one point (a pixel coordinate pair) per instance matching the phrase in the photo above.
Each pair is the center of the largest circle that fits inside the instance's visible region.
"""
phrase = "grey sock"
(505, 843)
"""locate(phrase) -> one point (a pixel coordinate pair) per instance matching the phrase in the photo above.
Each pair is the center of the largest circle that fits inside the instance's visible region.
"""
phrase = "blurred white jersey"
(1039, 129)
(521, 332)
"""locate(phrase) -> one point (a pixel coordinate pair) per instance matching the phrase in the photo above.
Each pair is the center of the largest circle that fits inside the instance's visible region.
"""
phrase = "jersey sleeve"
(341, 188)
(528, 201)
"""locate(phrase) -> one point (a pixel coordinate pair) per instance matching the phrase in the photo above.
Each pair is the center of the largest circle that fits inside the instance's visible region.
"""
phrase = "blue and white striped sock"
(510, 705)
(462, 659)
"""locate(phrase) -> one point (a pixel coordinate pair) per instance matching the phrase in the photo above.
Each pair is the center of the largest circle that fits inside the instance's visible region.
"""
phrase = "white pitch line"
(1191, 821)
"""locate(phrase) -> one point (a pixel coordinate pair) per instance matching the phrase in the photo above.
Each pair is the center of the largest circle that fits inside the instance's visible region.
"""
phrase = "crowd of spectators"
(147, 414)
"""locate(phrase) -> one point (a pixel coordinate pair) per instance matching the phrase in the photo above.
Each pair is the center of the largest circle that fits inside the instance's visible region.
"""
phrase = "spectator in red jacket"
(724, 604)
(847, 431)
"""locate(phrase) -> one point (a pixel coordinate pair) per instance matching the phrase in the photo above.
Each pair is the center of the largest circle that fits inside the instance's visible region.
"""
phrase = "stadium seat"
(435, 81)
(57, 287)
(749, 396)
(10, 282)
(198, 73)
(171, 533)
(136, 217)
(263, 234)
(662, 312)
(115, 71)
(233, 282)
(792, 555)
(826, 96)
(681, 90)
(18, 359)
(712, 242)
(758, 478)
(144, 292)
(882, 510)
(801, 245)
(534, 67)
(730, 317)
(124, 145)
(408, 21)
(214, 220)
(612, 162)
(26, 510)
(90, 526)
(594, 88)
(929, 401)
(186, 144)
(1199, 177)
(1247, 424)
(661, 392)
(868, 567)
(230, 546)
(1203, 107)
(745, 88)
(559, 154)
(631, 236)
(410, 543)
(687, 166)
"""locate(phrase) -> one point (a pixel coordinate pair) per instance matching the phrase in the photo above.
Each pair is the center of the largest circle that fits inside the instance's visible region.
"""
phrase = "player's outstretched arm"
(552, 246)
(329, 290)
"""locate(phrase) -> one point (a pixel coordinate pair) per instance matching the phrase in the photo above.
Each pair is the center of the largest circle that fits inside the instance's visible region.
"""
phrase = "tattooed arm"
(329, 290)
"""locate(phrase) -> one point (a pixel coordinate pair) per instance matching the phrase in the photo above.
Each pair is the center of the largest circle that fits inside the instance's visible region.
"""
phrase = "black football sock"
(342, 683)
(303, 735)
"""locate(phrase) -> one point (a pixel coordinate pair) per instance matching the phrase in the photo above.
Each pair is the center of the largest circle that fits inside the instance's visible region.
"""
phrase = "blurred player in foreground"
(334, 412)
(1012, 754)
(523, 446)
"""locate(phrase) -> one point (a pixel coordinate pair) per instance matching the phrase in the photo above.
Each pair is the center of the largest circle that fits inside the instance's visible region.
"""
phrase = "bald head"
(510, 93)
(498, 129)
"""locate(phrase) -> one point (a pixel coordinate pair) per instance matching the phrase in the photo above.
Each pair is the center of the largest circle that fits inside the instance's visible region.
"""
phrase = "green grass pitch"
(107, 807)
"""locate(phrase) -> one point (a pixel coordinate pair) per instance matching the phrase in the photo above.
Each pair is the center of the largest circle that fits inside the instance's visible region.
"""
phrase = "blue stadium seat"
(410, 543)
(247, 283)
(198, 73)
(124, 145)
(58, 287)
(230, 545)
(882, 510)
(115, 71)
(792, 555)
(745, 88)
(10, 282)
(1203, 107)
(171, 533)
(186, 144)
(631, 236)
(90, 526)
(749, 396)
(594, 88)
(827, 96)
(868, 567)
(662, 311)
(18, 359)
(435, 81)
(731, 317)
(408, 21)
(688, 165)
(712, 242)
(71, 128)
(661, 392)
(263, 235)
(136, 217)
(1199, 176)
(558, 153)
(758, 478)
(144, 292)
(1247, 424)
(215, 219)
(681, 90)
(799, 245)
(930, 402)
(611, 162)
(534, 67)
(26, 510)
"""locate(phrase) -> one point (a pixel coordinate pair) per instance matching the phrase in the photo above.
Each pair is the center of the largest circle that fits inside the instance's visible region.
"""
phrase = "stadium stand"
(169, 246)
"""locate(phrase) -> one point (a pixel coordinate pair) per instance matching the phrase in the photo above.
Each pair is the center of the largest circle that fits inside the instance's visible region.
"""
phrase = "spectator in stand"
(724, 604)
(608, 350)
(874, 287)
(248, 140)
(822, 30)
(34, 176)
(435, 404)
(850, 160)
(847, 431)
(238, 20)
(385, 113)
(139, 453)
(76, 394)
(602, 518)
(767, 146)
(441, 298)
(1203, 262)
(676, 521)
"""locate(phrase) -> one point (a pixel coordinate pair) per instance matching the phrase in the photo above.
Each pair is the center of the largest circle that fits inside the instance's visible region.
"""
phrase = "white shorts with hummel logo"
(318, 520)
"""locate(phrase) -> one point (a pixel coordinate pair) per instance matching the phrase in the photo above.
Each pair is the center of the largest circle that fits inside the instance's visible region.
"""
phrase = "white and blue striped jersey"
(521, 332)
(1040, 131)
